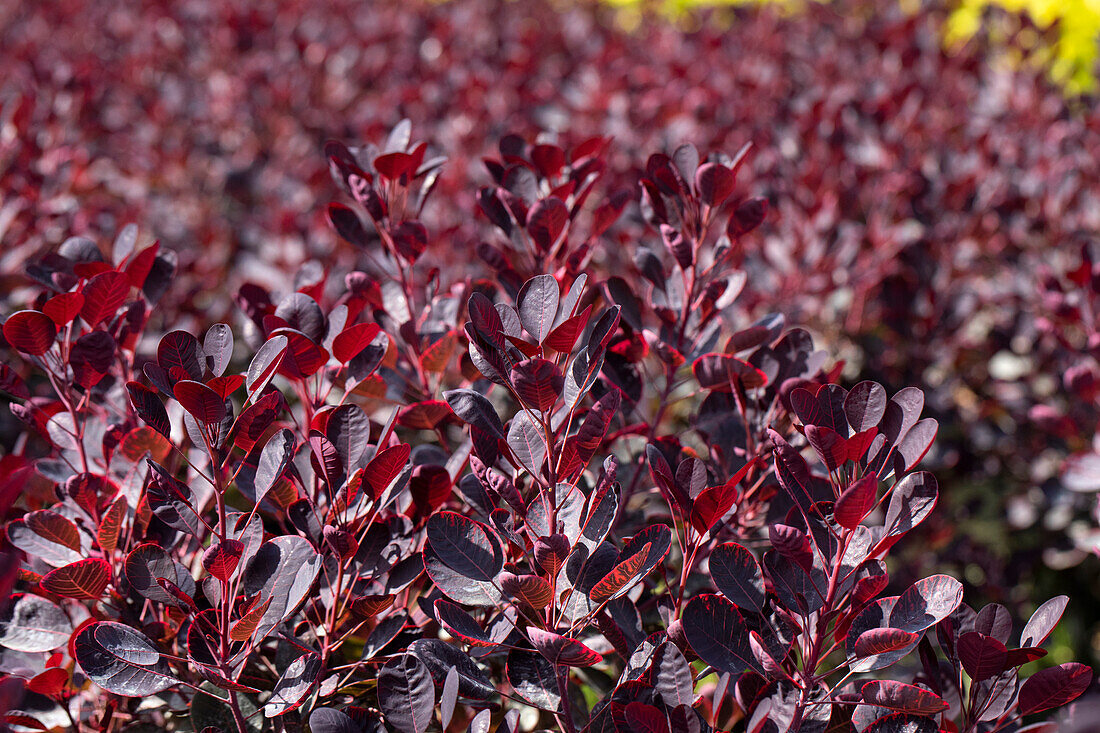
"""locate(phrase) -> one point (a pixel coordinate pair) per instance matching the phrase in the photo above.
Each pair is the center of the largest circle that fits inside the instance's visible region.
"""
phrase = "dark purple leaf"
(718, 634)
(903, 723)
(911, 501)
(294, 684)
(714, 182)
(181, 350)
(171, 501)
(348, 225)
(465, 546)
(330, 720)
(475, 409)
(982, 656)
(538, 306)
(916, 442)
(282, 570)
(349, 430)
(148, 562)
(563, 650)
(864, 406)
(533, 678)
(736, 573)
(528, 443)
(274, 459)
(301, 313)
(265, 364)
(440, 657)
(121, 660)
(1053, 687)
(406, 694)
(149, 408)
(926, 603)
(460, 624)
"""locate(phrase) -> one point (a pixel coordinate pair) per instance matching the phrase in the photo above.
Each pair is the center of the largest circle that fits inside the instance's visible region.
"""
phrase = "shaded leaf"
(121, 660)
(902, 697)
(33, 624)
(563, 650)
(718, 634)
(537, 304)
(1053, 687)
(737, 574)
(465, 546)
(294, 685)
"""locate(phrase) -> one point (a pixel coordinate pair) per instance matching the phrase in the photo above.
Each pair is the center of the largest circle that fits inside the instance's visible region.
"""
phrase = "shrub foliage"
(406, 497)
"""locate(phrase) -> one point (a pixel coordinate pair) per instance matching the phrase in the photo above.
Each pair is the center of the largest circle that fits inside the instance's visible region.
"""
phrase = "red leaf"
(141, 264)
(50, 683)
(530, 590)
(564, 336)
(352, 340)
(103, 295)
(385, 467)
(303, 358)
(54, 527)
(64, 308)
(29, 331)
(882, 641)
(111, 525)
(902, 697)
(221, 558)
(546, 221)
(435, 358)
(425, 415)
(828, 444)
(713, 502)
(856, 502)
(81, 579)
(394, 165)
(201, 401)
(538, 382)
(621, 576)
(256, 419)
(227, 385)
(250, 620)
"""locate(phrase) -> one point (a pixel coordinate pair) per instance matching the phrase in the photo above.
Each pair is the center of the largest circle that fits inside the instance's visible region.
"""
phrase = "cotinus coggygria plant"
(546, 498)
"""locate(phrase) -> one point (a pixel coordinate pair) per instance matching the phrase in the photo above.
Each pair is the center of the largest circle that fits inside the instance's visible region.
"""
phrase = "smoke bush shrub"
(919, 194)
(540, 497)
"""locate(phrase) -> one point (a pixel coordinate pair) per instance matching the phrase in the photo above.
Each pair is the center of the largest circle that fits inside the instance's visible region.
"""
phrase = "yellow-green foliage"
(1072, 57)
